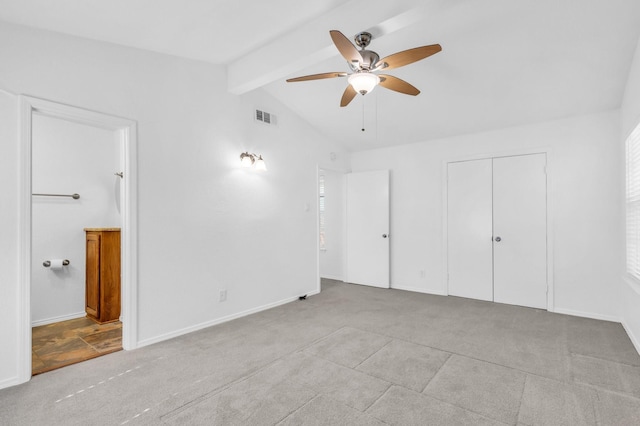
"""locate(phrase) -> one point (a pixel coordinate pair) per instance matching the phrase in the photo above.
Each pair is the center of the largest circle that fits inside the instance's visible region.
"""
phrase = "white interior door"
(368, 228)
(520, 225)
(469, 229)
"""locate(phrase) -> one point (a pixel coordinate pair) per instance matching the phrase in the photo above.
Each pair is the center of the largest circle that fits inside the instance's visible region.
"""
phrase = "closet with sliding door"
(497, 229)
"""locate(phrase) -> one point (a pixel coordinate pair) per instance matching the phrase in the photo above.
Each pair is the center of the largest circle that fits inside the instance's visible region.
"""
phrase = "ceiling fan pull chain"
(363, 114)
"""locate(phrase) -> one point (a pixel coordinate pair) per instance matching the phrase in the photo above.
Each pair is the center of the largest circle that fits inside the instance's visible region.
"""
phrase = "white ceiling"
(504, 62)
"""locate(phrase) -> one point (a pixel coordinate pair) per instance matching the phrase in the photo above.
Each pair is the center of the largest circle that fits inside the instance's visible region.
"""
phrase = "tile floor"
(68, 342)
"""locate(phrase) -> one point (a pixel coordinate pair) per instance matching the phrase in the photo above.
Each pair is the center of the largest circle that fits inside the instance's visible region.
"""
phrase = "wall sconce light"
(253, 160)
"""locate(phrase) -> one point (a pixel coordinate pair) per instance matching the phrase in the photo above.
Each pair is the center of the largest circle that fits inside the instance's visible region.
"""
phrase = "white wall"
(630, 119)
(68, 158)
(9, 169)
(332, 258)
(204, 224)
(584, 165)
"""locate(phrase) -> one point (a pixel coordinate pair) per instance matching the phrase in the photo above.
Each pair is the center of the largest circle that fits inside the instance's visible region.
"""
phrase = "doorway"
(74, 187)
(35, 110)
(353, 227)
(331, 224)
(497, 229)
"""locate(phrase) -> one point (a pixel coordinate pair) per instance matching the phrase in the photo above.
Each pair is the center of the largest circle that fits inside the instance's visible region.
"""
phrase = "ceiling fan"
(365, 63)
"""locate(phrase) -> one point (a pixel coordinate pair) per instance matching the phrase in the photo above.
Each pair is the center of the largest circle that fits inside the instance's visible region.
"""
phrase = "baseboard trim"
(211, 323)
(634, 339)
(419, 290)
(333, 277)
(7, 383)
(58, 319)
(591, 315)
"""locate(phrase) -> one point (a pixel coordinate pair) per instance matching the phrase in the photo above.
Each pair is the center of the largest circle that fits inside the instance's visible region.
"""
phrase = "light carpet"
(355, 355)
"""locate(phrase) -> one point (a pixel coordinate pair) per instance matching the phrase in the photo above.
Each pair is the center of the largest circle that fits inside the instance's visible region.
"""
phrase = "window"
(633, 203)
(321, 214)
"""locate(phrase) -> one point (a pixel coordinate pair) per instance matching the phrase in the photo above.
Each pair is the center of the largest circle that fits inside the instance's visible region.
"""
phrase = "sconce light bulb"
(246, 159)
(260, 164)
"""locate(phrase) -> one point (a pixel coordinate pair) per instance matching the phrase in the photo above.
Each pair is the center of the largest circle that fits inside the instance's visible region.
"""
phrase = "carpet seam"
(364, 360)
(568, 381)
(524, 386)
(246, 377)
(378, 399)
(297, 409)
(434, 376)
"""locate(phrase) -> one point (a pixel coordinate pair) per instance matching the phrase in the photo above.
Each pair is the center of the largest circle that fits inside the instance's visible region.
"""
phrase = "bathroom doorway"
(76, 185)
(78, 173)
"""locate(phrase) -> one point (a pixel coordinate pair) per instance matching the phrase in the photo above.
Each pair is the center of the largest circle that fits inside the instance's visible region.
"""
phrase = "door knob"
(384, 235)
(498, 239)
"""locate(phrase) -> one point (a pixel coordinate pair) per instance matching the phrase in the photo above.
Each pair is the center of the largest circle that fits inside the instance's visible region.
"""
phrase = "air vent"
(265, 117)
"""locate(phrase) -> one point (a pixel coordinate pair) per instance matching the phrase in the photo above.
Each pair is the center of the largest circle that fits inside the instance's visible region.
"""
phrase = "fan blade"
(394, 83)
(346, 48)
(348, 96)
(318, 76)
(407, 57)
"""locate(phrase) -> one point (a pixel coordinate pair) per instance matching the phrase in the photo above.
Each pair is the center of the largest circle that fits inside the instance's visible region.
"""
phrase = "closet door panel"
(520, 224)
(469, 222)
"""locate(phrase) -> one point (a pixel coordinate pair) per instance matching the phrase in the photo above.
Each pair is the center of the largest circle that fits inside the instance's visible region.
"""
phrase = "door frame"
(320, 168)
(550, 197)
(126, 130)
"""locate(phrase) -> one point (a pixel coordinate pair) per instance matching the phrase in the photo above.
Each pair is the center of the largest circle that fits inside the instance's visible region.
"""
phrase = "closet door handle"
(498, 239)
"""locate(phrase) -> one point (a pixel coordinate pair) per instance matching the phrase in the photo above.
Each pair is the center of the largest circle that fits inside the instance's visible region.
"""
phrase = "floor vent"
(265, 117)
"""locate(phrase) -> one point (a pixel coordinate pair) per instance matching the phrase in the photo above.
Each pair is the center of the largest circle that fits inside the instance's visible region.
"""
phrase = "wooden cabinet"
(102, 294)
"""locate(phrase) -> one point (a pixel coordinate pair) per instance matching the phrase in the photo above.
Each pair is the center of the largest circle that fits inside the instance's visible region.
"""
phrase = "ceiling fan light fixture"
(363, 82)
(363, 63)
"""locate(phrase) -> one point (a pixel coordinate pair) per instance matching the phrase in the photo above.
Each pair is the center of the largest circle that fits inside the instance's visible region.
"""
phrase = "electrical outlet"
(223, 295)
(422, 273)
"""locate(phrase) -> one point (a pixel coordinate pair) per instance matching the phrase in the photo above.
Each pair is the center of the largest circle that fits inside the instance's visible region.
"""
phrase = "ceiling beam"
(311, 43)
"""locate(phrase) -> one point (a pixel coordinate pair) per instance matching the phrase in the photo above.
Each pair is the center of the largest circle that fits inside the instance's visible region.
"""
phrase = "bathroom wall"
(68, 158)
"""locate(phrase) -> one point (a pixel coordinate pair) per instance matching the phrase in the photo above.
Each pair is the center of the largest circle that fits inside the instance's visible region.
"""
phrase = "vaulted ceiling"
(504, 62)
